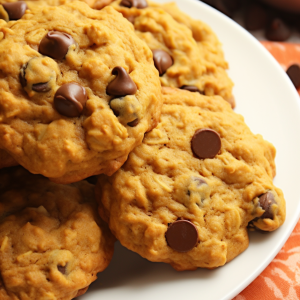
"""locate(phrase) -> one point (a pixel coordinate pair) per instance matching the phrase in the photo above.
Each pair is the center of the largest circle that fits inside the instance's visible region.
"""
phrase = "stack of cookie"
(137, 94)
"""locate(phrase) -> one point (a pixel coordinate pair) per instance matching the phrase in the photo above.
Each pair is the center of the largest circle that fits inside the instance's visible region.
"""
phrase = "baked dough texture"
(6, 160)
(33, 3)
(39, 136)
(198, 59)
(52, 240)
(164, 183)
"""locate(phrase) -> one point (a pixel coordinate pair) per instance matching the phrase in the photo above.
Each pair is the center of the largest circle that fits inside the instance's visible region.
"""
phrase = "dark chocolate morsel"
(22, 75)
(277, 30)
(70, 99)
(56, 44)
(133, 123)
(182, 236)
(41, 87)
(122, 85)
(61, 269)
(191, 88)
(199, 180)
(294, 73)
(131, 19)
(206, 143)
(134, 3)
(15, 10)
(265, 201)
(255, 16)
(162, 61)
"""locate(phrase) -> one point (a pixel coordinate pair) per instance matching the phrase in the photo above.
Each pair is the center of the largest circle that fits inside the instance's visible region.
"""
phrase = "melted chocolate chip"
(131, 19)
(265, 201)
(206, 143)
(162, 61)
(41, 87)
(62, 269)
(56, 44)
(294, 73)
(199, 180)
(133, 123)
(255, 16)
(182, 236)
(277, 30)
(15, 10)
(134, 3)
(70, 99)
(122, 85)
(191, 88)
(23, 80)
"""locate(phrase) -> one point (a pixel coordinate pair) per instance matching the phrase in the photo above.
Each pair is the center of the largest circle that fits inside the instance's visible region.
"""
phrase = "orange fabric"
(285, 53)
(281, 279)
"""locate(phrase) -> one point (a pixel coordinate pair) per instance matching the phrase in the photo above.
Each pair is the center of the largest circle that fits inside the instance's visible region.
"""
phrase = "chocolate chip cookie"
(52, 241)
(188, 193)
(78, 90)
(6, 160)
(186, 52)
(11, 10)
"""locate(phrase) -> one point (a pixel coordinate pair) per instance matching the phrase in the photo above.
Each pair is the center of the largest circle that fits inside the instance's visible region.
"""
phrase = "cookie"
(11, 10)
(6, 160)
(187, 194)
(78, 90)
(186, 52)
(52, 241)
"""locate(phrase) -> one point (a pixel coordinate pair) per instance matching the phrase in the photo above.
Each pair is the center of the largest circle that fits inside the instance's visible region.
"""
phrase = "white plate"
(270, 105)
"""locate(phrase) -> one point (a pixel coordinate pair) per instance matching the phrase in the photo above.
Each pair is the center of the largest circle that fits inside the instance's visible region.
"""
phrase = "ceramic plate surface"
(270, 105)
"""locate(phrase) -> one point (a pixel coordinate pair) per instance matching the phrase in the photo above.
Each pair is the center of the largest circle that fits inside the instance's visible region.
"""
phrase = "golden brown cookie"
(52, 241)
(186, 52)
(78, 90)
(11, 10)
(186, 195)
(6, 160)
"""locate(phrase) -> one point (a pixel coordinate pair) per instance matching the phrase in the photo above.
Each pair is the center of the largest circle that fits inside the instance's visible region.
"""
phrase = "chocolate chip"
(162, 61)
(294, 73)
(182, 236)
(255, 16)
(133, 123)
(61, 269)
(122, 85)
(15, 10)
(131, 19)
(41, 87)
(23, 80)
(206, 143)
(134, 3)
(265, 201)
(277, 30)
(70, 99)
(191, 88)
(56, 44)
(198, 180)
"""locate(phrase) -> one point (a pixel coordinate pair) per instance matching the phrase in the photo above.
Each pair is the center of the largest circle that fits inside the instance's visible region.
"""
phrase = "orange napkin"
(281, 279)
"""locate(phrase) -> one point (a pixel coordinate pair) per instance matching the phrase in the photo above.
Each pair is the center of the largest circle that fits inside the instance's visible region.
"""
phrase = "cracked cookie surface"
(195, 53)
(52, 241)
(187, 194)
(78, 91)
